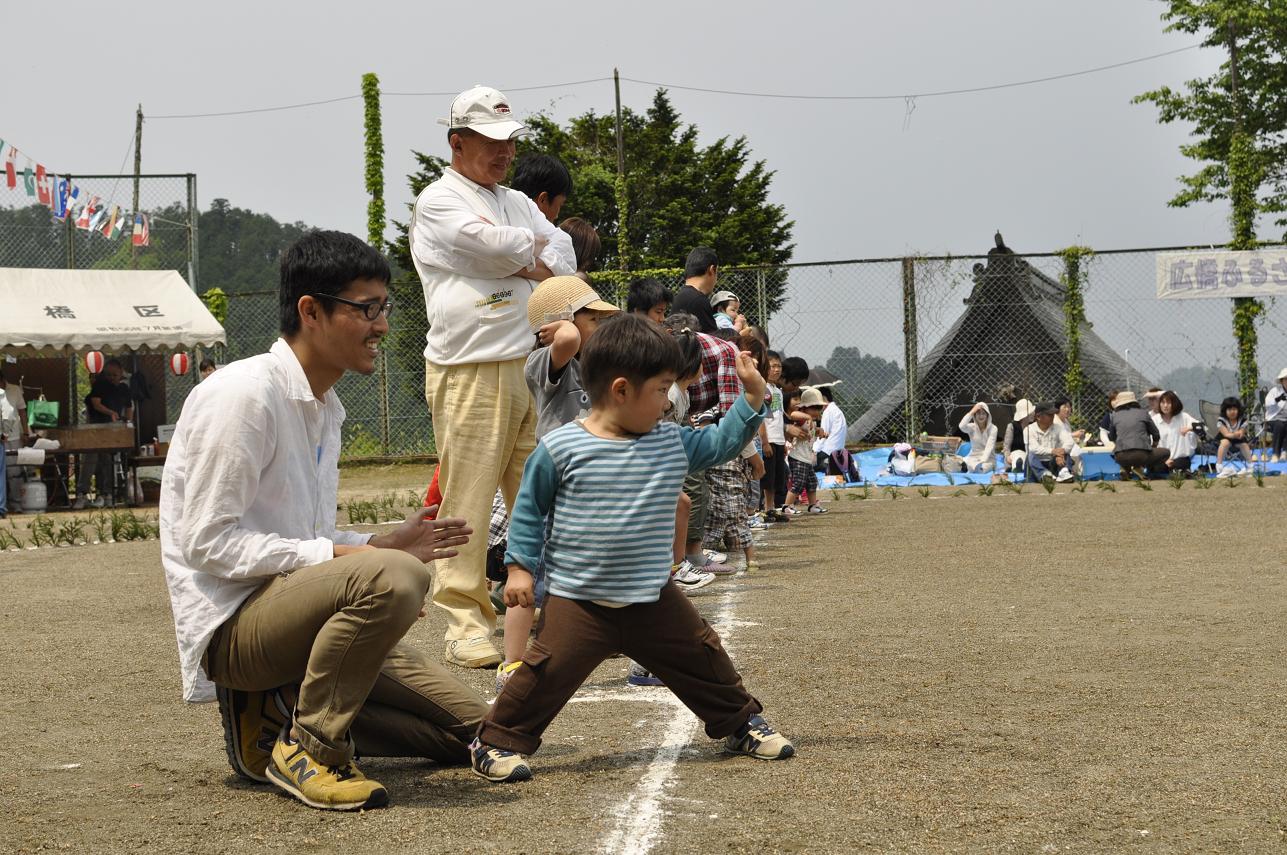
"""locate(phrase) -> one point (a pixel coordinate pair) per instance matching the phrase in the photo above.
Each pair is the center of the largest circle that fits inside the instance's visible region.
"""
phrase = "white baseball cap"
(485, 110)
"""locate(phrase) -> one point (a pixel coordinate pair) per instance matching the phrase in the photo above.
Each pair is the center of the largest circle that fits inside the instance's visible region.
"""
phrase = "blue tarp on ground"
(1096, 466)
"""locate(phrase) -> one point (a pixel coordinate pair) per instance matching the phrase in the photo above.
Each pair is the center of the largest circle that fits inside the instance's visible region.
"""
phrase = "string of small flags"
(65, 200)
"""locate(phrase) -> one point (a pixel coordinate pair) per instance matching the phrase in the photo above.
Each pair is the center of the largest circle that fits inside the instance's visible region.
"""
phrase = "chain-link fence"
(30, 236)
(987, 328)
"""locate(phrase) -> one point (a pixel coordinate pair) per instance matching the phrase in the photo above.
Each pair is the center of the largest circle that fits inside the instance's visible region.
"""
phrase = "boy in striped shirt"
(609, 483)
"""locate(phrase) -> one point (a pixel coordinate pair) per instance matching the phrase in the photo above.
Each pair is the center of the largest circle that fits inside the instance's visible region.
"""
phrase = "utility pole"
(138, 166)
(623, 208)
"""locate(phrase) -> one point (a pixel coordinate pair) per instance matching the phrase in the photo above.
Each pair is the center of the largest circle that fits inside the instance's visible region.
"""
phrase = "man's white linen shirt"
(1044, 442)
(248, 492)
(468, 241)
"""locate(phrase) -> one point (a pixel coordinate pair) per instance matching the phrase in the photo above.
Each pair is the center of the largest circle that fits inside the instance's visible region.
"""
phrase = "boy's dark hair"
(535, 174)
(826, 392)
(683, 327)
(646, 293)
(585, 242)
(1060, 401)
(324, 262)
(794, 368)
(700, 260)
(113, 361)
(773, 354)
(726, 335)
(627, 346)
(1231, 402)
(206, 363)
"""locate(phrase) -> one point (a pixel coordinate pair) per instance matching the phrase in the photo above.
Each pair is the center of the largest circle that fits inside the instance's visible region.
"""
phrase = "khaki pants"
(484, 423)
(334, 629)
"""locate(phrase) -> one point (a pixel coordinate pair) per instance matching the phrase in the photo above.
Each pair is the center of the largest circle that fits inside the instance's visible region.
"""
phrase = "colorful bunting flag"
(42, 185)
(82, 219)
(140, 237)
(29, 179)
(110, 225)
(11, 168)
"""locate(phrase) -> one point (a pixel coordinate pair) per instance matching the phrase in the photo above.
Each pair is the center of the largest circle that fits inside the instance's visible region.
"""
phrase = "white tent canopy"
(60, 311)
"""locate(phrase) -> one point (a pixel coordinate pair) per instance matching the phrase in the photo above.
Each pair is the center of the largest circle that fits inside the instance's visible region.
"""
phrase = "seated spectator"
(1014, 450)
(207, 367)
(1106, 423)
(1151, 399)
(1233, 432)
(1175, 433)
(1049, 446)
(977, 425)
(1276, 416)
(1134, 436)
(1063, 415)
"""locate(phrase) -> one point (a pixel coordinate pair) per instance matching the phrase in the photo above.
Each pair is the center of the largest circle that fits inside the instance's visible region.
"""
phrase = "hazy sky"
(1051, 164)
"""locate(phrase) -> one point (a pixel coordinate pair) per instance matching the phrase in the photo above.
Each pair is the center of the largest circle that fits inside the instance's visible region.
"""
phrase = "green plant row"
(98, 527)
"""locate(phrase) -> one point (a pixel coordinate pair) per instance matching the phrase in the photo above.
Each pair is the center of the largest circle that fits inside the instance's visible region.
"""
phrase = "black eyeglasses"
(370, 310)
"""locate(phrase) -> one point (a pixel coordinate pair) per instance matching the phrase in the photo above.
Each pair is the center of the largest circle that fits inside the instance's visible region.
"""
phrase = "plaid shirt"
(718, 384)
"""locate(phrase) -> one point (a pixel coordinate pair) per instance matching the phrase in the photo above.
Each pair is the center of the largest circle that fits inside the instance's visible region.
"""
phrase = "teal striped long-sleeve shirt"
(612, 503)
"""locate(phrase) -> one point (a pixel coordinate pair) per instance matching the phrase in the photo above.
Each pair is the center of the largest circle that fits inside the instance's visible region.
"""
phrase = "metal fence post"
(910, 358)
(384, 400)
(192, 232)
(762, 319)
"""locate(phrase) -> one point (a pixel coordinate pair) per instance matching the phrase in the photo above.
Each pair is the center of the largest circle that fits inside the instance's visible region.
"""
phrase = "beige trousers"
(335, 630)
(484, 423)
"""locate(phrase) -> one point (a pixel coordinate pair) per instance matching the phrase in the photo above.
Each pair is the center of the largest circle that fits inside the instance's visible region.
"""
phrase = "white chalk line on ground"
(638, 818)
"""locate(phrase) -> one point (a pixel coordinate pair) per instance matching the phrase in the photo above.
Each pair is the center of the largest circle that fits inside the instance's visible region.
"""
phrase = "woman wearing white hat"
(1276, 416)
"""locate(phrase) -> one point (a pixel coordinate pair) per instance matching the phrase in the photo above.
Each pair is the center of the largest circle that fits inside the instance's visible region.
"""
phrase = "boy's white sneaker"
(1064, 476)
(717, 557)
(689, 579)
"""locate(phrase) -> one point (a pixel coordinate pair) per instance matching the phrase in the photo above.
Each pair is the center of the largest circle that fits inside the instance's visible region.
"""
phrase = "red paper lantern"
(94, 361)
(179, 363)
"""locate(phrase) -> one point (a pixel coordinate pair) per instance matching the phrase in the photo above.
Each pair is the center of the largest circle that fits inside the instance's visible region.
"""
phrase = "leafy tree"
(680, 194)
(1238, 115)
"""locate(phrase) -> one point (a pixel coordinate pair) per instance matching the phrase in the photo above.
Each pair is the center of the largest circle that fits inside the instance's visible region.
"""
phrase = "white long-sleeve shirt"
(1170, 438)
(1276, 404)
(248, 492)
(834, 423)
(983, 442)
(467, 242)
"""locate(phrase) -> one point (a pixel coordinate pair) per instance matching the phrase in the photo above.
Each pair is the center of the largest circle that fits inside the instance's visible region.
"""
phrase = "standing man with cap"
(479, 249)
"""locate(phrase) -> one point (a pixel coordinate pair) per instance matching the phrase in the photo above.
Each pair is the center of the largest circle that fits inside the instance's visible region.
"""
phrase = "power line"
(904, 96)
(907, 95)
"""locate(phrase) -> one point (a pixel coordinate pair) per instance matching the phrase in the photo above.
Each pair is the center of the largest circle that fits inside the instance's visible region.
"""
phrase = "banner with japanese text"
(1204, 274)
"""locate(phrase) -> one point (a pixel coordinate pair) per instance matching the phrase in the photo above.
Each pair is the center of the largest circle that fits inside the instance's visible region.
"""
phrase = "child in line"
(1232, 429)
(607, 486)
(774, 442)
(564, 312)
(804, 409)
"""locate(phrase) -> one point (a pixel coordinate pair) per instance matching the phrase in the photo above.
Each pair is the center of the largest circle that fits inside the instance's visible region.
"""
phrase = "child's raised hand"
(752, 382)
(558, 330)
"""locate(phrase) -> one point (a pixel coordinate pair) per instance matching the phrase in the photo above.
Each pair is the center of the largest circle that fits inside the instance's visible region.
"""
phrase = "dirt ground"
(1016, 673)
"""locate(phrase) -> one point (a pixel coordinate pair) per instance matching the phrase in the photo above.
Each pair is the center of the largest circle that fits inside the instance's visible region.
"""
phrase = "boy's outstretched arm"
(708, 447)
(531, 507)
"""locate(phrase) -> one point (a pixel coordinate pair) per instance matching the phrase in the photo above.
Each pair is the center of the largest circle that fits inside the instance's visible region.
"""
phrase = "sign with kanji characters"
(1203, 274)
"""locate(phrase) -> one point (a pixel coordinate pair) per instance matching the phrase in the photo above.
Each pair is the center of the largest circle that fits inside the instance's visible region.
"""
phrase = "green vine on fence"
(217, 302)
(1074, 282)
(374, 161)
(1244, 178)
(623, 220)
